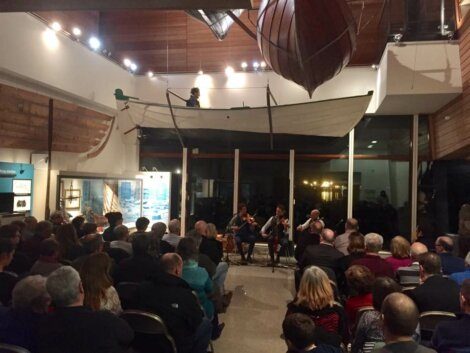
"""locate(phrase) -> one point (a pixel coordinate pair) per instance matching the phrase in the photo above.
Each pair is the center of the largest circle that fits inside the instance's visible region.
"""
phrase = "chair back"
(428, 321)
(9, 348)
(126, 292)
(117, 254)
(361, 311)
(370, 347)
(151, 334)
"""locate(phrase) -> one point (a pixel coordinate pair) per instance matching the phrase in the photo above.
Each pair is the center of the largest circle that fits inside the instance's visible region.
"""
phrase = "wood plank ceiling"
(172, 41)
(24, 119)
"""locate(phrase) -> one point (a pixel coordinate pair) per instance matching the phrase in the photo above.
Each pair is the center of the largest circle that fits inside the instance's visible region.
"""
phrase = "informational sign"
(22, 187)
(156, 196)
(21, 203)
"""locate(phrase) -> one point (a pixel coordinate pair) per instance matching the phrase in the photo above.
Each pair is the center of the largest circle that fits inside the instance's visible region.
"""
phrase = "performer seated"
(276, 231)
(314, 216)
(243, 226)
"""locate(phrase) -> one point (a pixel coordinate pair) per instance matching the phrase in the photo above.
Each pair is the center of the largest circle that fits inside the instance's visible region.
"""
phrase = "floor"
(254, 319)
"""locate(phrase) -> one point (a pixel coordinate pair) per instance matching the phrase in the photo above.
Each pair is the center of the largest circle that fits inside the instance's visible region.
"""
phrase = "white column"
(414, 173)
(291, 193)
(351, 174)
(236, 179)
(184, 183)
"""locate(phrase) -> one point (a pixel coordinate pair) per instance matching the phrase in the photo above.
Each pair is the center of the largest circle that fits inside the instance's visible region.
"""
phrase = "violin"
(248, 219)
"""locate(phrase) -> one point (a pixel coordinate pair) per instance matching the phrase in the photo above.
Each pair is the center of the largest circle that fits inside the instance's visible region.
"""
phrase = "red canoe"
(306, 41)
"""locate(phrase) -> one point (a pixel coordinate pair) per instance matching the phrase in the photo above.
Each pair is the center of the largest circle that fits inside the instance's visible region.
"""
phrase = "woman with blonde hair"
(400, 249)
(100, 293)
(315, 298)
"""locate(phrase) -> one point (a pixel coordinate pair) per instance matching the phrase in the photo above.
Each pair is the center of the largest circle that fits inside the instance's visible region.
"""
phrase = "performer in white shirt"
(314, 216)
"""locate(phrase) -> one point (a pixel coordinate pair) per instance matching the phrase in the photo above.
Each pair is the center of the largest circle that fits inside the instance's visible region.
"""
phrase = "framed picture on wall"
(22, 186)
(22, 203)
(72, 199)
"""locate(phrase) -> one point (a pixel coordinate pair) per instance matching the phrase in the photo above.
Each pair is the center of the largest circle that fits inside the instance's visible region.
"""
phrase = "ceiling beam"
(105, 5)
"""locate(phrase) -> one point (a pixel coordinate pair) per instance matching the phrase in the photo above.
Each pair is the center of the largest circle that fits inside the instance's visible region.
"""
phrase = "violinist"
(276, 230)
(243, 226)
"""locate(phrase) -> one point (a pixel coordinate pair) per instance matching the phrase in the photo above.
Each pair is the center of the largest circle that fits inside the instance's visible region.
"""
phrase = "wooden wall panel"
(451, 124)
(24, 123)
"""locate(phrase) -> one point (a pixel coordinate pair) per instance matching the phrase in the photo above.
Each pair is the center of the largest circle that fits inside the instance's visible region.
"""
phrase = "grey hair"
(467, 259)
(174, 226)
(30, 293)
(63, 286)
(121, 231)
(373, 242)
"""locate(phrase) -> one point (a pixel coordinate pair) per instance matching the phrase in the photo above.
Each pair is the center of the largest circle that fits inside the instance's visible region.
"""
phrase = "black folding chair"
(428, 321)
(151, 334)
(9, 348)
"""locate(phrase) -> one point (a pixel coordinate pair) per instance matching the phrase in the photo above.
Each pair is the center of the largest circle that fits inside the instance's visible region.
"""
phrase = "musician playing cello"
(276, 231)
(243, 226)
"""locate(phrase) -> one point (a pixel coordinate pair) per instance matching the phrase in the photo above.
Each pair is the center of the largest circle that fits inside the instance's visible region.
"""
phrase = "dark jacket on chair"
(136, 269)
(451, 264)
(321, 255)
(171, 298)
(452, 334)
(437, 293)
(212, 248)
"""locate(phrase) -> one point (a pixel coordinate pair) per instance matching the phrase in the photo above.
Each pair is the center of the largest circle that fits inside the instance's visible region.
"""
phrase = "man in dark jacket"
(436, 293)
(310, 236)
(171, 298)
(323, 254)
(450, 263)
(73, 328)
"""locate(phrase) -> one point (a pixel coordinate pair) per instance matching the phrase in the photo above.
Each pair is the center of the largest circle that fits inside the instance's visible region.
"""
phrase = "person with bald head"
(450, 263)
(314, 216)
(323, 254)
(372, 259)
(399, 321)
(170, 297)
(342, 240)
(409, 275)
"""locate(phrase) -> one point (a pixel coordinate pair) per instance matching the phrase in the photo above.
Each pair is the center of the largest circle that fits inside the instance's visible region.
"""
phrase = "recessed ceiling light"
(255, 65)
(150, 74)
(56, 26)
(134, 66)
(370, 146)
(229, 71)
(200, 72)
(374, 142)
(94, 43)
(244, 65)
(127, 62)
(77, 32)
(263, 64)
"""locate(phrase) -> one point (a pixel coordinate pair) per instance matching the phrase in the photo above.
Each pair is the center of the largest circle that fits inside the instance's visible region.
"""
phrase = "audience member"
(99, 291)
(459, 277)
(400, 319)
(360, 282)
(89, 229)
(73, 328)
(400, 249)
(121, 236)
(310, 236)
(78, 223)
(213, 249)
(48, 260)
(372, 259)
(32, 246)
(356, 250)
(426, 233)
(57, 219)
(300, 335)
(169, 296)
(159, 230)
(7, 279)
(453, 336)
(141, 224)
(436, 293)
(156, 235)
(21, 264)
(114, 220)
(409, 276)
(141, 265)
(450, 263)
(173, 237)
(369, 327)
(203, 260)
(342, 240)
(30, 302)
(92, 244)
(323, 254)
(69, 246)
(315, 298)
(31, 223)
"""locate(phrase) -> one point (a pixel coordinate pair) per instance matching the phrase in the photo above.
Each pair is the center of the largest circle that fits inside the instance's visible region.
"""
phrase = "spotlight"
(150, 74)
(94, 43)
(200, 72)
(77, 32)
(263, 64)
(370, 146)
(133, 66)
(127, 62)
(56, 26)
(374, 66)
(178, 171)
(256, 65)
(244, 65)
(374, 142)
(398, 37)
(229, 71)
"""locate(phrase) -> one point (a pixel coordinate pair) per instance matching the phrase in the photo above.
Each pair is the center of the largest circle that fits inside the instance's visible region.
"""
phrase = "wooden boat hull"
(306, 41)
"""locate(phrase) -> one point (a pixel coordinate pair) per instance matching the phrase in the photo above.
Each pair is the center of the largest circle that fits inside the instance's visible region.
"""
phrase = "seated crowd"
(66, 288)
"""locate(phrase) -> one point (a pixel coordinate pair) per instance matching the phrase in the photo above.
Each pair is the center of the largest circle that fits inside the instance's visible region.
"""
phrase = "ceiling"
(172, 41)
